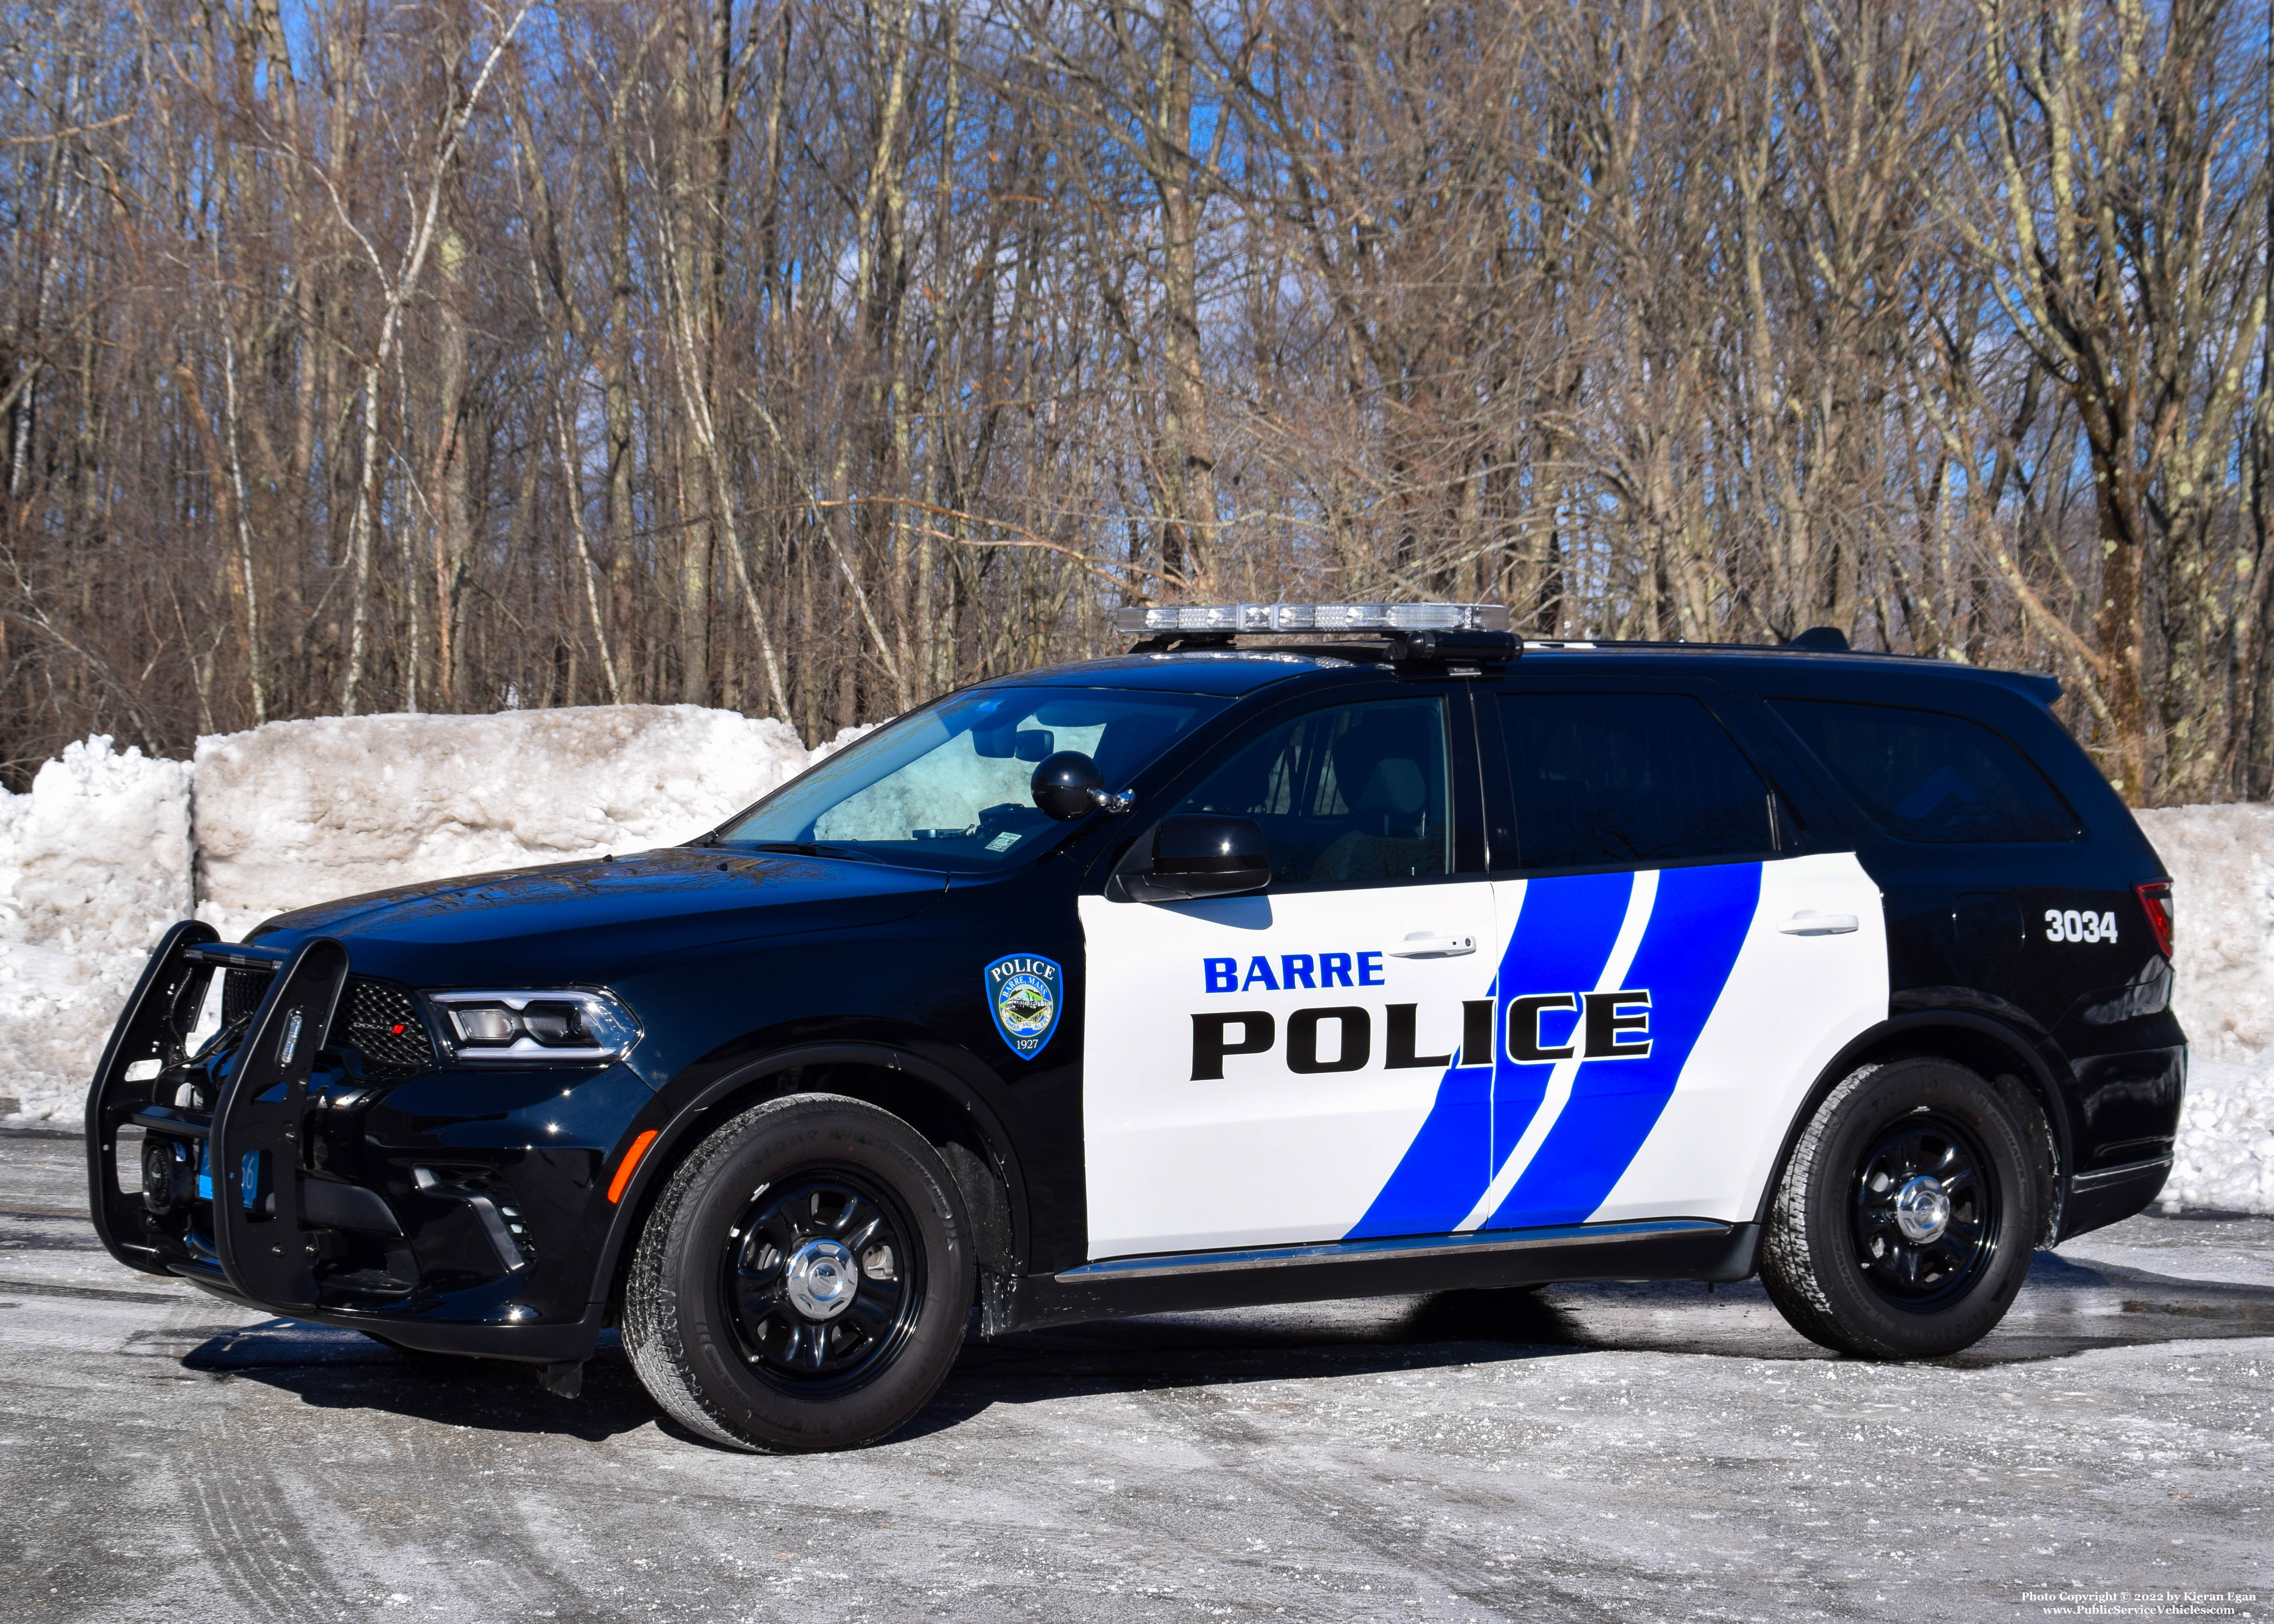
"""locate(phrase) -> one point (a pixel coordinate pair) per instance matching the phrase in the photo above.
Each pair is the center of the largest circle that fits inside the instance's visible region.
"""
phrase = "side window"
(1629, 778)
(1921, 775)
(1356, 792)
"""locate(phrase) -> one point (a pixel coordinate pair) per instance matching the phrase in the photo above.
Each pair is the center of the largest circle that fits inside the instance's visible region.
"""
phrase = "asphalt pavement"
(1598, 1452)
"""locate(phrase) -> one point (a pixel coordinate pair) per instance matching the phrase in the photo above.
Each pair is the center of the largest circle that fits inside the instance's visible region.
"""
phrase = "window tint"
(1356, 792)
(1922, 776)
(1633, 778)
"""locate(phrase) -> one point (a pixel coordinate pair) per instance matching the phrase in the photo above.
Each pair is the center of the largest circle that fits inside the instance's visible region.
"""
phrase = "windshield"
(948, 787)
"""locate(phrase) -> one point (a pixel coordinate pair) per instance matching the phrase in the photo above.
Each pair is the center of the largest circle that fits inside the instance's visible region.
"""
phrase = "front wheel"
(1904, 1223)
(804, 1280)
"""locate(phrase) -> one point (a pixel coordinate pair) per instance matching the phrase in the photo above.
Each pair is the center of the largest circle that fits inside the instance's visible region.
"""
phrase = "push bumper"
(453, 1211)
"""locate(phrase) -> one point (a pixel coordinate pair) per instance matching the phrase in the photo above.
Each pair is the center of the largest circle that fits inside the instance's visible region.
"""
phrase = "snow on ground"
(102, 853)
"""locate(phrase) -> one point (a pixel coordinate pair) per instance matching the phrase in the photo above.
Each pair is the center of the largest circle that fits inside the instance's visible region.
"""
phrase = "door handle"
(1429, 945)
(1809, 922)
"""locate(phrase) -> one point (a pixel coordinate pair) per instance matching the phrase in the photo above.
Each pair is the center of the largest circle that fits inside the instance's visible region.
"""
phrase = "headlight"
(564, 1023)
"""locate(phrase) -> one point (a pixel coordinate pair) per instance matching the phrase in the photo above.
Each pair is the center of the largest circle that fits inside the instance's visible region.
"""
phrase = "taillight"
(2155, 902)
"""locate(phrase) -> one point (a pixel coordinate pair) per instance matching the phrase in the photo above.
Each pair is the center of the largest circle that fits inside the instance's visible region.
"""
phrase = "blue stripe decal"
(1699, 922)
(1573, 923)
(1425, 1191)
(1436, 1181)
(1563, 934)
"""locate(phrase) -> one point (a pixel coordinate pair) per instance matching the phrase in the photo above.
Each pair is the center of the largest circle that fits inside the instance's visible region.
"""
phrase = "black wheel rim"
(1927, 1213)
(821, 1286)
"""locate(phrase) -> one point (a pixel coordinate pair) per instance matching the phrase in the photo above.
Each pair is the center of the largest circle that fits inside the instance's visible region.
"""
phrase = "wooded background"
(812, 358)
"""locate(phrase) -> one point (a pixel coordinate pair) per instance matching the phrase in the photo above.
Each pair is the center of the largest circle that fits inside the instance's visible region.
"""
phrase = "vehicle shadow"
(2065, 1308)
(336, 1369)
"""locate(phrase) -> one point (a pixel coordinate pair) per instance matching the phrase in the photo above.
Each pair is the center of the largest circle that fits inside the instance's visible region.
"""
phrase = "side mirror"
(1200, 854)
(1068, 785)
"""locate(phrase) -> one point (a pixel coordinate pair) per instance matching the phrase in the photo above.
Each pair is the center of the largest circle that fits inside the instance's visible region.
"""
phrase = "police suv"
(1304, 951)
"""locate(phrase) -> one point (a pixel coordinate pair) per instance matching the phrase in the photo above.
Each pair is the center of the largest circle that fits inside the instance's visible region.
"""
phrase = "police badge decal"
(1023, 994)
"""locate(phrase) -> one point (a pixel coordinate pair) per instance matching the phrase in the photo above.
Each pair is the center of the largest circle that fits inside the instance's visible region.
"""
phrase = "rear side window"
(1921, 775)
(1631, 779)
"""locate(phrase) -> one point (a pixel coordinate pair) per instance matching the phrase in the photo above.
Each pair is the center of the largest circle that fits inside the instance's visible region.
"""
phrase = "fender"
(677, 1125)
(2038, 1071)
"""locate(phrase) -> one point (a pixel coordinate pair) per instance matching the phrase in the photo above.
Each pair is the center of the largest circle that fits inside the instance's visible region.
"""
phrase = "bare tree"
(816, 357)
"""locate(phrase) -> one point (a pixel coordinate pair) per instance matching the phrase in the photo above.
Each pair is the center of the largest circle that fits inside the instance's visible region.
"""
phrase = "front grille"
(241, 993)
(382, 1025)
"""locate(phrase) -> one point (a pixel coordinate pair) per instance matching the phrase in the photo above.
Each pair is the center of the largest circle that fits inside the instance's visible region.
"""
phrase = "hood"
(589, 920)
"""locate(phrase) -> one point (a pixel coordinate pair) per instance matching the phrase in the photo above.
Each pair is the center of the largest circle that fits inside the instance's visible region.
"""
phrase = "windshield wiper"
(807, 848)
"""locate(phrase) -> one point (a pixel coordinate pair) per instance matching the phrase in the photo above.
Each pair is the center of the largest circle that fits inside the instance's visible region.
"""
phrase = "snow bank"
(99, 857)
(2221, 859)
(301, 812)
(94, 864)
(2225, 1158)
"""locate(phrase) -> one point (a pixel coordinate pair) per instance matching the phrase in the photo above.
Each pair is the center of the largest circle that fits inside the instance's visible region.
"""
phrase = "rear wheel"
(1904, 1223)
(804, 1280)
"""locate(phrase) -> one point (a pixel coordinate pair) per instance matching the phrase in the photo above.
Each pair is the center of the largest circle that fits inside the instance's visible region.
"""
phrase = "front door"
(1257, 1069)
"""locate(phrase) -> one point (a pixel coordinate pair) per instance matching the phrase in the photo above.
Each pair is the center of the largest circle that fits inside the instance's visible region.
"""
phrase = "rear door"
(1679, 968)
(1256, 1069)
(1995, 886)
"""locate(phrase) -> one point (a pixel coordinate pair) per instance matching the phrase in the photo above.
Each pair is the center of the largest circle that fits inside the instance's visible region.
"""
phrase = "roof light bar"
(1186, 617)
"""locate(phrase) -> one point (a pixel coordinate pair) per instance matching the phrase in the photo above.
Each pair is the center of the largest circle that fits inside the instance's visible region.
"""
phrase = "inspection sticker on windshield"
(1022, 993)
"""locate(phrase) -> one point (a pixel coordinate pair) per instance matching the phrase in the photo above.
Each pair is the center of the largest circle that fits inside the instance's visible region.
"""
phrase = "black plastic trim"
(544, 1345)
(332, 1205)
(1663, 1249)
(2109, 1195)
(166, 1119)
(235, 956)
(1475, 1244)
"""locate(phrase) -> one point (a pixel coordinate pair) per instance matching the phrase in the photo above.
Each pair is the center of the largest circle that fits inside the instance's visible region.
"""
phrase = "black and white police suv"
(1390, 955)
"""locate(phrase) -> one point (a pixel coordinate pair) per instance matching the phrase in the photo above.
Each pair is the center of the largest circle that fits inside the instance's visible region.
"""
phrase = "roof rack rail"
(1815, 640)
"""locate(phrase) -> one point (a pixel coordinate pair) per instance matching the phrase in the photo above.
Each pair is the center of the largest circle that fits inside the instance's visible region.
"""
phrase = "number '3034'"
(2075, 925)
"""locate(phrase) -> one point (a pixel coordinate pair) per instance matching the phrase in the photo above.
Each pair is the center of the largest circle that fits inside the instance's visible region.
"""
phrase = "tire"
(1856, 1264)
(803, 1281)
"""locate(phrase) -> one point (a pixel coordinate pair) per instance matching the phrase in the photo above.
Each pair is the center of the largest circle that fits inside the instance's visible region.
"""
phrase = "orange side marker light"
(631, 1161)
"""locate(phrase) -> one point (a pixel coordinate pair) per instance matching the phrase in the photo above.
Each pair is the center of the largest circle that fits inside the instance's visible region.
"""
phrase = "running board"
(1481, 1244)
(1176, 1283)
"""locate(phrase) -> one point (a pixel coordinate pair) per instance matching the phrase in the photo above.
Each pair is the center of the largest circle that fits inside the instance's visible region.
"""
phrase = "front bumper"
(458, 1210)
(538, 1343)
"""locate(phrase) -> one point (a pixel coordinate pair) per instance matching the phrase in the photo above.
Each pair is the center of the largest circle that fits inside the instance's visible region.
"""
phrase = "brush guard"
(252, 1142)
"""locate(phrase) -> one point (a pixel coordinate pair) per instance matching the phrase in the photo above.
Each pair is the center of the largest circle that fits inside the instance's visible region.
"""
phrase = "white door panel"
(1284, 1146)
(1794, 999)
